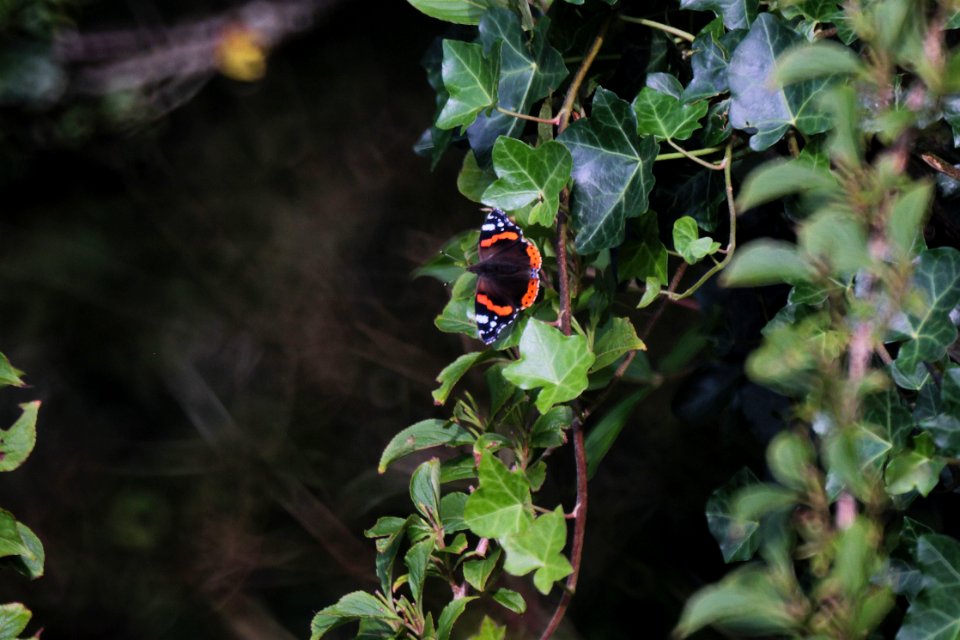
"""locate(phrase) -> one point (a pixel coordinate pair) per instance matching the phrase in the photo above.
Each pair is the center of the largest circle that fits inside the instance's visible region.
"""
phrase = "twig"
(523, 116)
(941, 165)
(686, 154)
(680, 33)
(574, 88)
(702, 163)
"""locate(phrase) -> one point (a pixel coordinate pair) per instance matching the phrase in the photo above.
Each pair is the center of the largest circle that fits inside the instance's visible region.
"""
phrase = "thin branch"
(686, 154)
(581, 74)
(731, 243)
(702, 163)
(680, 33)
(522, 116)
(941, 165)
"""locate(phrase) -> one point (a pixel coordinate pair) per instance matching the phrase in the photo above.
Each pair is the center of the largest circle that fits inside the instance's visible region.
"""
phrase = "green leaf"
(501, 505)
(423, 435)
(777, 179)
(529, 70)
(510, 600)
(604, 434)
(17, 442)
(617, 338)
(529, 175)
(688, 243)
(538, 548)
(9, 375)
(477, 572)
(651, 292)
(390, 532)
(606, 144)
(931, 331)
(417, 558)
(764, 262)
(755, 104)
(663, 115)
(449, 616)
(451, 511)
(736, 14)
(457, 315)
(547, 431)
(935, 615)
(473, 179)
(736, 536)
(456, 11)
(911, 470)
(744, 602)
(643, 256)
(791, 459)
(709, 60)
(907, 215)
(353, 606)
(425, 489)
(14, 618)
(817, 60)
(452, 373)
(32, 557)
(549, 361)
(470, 79)
(835, 238)
(490, 630)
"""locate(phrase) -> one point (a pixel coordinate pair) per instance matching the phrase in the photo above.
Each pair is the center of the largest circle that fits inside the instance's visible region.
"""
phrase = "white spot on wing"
(482, 319)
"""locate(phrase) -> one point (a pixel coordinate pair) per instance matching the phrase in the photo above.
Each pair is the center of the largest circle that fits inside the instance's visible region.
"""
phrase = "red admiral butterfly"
(508, 275)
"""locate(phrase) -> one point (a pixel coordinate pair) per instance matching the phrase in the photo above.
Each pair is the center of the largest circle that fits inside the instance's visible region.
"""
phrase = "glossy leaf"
(423, 435)
(606, 146)
(758, 105)
(736, 14)
(688, 243)
(417, 558)
(934, 615)
(664, 116)
(457, 315)
(709, 60)
(471, 80)
(14, 618)
(457, 11)
(18, 441)
(451, 511)
(501, 505)
(549, 361)
(473, 179)
(510, 600)
(931, 331)
(358, 605)
(615, 339)
(449, 616)
(538, 548)
(425, 489)
(529, 175)
(32, 556)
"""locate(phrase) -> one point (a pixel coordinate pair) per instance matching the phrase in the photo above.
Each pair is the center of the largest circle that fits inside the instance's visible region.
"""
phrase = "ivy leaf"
(529, 70)
(911, 470)
(549, 361)
(709, 61)
(931, 331)
(735, 535)
(456, 11)
(617, 338)
(606, 146)
(736, 14)
(17, 442)
(643, 256)
(688, 243)
(423, 435)
(358, 605)
(473, 179)
(471, 80)
(502, 504)
(13, 620)
(547, 431)
(770, 110)
(477, 572)
(527, 174)
(665, 116)
(934, 615)
(538, 548)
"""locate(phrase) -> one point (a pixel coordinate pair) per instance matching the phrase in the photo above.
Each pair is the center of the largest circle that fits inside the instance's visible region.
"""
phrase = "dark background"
(215, 306)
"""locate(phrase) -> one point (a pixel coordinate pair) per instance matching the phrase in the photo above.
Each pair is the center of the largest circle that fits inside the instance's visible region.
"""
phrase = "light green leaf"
(477, 572)
(931, 330)
(777, 179)
(791, 459)
(449, 616)
(9, 375)
(549, 361)
(911, 470)
(764, 262)
(471, 81)
(817, 60)
(14, 618)
(538, 548)
(689, 244)
(473, 179)
(456, 11)
(606, 144)
(736, 14)
(651, 292)
(490, 630)
(452, 373)
(529, 175)
(665, 116)
(32, 556)
(457, 315)
(451, 511)
(17, 442)
(907, 214)
(617, 338)
(423, 435)
(510, 600)
(604, 434)
(501, 505)
(353, 606)
(836, 238)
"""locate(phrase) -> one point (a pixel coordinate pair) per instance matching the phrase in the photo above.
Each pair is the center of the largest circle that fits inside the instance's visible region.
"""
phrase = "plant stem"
(581, 74)
(524, 116)
(680, 33)
(731, 243)
(702, 163)
(687, 154)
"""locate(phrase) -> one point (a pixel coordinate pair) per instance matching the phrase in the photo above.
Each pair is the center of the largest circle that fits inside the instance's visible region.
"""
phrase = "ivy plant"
(839, 121)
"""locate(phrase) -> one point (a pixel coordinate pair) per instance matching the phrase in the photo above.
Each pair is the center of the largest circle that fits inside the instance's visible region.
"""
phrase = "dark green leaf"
(425, 489)
(736, 537)
(353, 606)
(529, 175)
(617, 338)
(547, 431)
(423, 435)
(931, 331)
(736, 14)
(934, 615)
(449, 616)
(549, 361)
(457, 315)
(663, 115)
(510, 600)
(502, 504)
(538, 548)
(17, 442)
(604, 434)
(451, 512)
(643, 256)
(606, 144)
(452, 373)
(711, 55)
(470, 79)
(755, 104)
(417, 558)
(473, 179)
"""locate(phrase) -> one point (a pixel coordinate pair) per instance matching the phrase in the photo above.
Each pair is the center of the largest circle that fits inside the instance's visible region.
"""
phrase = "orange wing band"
(488, 303)
(533, 288)
(506, 235)
(534, 254)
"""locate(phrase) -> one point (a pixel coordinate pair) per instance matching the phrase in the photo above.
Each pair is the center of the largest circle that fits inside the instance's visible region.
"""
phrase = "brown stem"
(941, 165)
(581, 74)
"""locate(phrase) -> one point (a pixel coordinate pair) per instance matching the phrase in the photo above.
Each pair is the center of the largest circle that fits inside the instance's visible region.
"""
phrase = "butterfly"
(508, 275)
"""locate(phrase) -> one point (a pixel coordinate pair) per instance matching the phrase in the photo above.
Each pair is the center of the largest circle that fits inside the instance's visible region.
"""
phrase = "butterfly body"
(508, 275)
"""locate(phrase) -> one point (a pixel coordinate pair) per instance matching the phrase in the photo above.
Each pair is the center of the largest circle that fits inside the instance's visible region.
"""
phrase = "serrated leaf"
(423, 435)
(664, 116)
(931, 331)
(606, 145)
(14, 618)
(549, 361)
(18, 441)
(757, 104)
(528, 175)
(909, 471)
(604, 434)
(510, 600)
(547, 431)
(764, 262)
(616, 338)
(538, 548)
(449, 616)
(688, 243)
(452, 373)
(477, 572)
(456, 11)
(471, 80)
(502, 504)
(473, 179)
(529, 70)
(736, 14)
(358, 605)
(708, 62)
